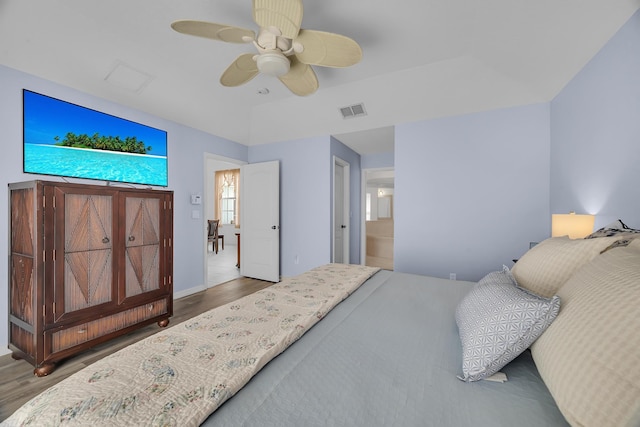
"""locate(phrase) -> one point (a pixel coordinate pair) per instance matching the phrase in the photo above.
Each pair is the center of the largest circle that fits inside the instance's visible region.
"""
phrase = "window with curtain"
(227, 196)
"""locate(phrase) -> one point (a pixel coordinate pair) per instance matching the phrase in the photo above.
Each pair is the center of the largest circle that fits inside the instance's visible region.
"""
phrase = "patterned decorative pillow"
(617, 229)
(502, 276)
(549, 264)
(497, 321)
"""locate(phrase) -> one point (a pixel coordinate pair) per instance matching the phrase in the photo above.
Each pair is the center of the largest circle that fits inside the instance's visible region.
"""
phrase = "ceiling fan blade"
(240, 71)
(285, 15)
(327, 49)
(211, 30)
(301, 79)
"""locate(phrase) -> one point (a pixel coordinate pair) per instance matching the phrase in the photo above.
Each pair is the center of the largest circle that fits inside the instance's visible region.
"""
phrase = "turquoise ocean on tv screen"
(95, 164)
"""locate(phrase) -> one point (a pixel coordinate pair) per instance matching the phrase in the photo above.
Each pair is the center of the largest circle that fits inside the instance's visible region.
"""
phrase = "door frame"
(346, 209)
(209, 170)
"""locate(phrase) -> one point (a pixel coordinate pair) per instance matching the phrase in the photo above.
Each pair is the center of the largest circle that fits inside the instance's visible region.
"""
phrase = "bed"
(364, 347)
(388, 356)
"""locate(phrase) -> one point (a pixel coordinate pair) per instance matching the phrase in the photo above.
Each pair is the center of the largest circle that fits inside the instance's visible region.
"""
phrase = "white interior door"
(260, 221)
(341, 209)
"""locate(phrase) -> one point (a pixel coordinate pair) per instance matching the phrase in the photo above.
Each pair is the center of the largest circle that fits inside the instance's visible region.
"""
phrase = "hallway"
(222, 266)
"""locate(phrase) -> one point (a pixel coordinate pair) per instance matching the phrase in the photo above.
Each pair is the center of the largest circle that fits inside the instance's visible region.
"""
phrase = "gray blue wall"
(595, 135)
(471, 191)
(305, 194)
(378, 160)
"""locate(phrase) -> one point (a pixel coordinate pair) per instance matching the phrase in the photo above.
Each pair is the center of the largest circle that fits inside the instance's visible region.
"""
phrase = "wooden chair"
(213, 235)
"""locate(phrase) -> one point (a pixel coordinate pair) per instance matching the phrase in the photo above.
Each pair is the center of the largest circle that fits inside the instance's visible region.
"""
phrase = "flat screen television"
(64, 139)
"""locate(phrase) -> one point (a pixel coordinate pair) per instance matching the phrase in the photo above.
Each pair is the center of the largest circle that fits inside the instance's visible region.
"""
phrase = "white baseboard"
(187, 292)
(4, 351)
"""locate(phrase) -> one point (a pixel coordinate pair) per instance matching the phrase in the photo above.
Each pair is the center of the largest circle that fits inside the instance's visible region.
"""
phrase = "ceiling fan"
(284, 49)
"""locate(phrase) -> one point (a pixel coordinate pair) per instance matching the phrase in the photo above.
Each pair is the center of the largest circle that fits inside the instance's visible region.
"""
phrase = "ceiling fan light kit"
(273, 63)
(284, 49)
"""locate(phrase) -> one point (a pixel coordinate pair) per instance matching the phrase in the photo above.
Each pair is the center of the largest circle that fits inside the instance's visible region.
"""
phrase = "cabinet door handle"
(132, 238)
(105, 240)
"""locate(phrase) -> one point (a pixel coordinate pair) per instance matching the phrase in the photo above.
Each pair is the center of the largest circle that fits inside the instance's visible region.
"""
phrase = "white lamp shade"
(572, 225)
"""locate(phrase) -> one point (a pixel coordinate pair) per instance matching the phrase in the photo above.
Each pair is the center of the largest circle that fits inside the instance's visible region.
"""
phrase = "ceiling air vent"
(352, 111)
(126, 77)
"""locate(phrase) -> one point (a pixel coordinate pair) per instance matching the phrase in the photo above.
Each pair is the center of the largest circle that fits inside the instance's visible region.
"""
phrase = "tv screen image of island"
(64, 139)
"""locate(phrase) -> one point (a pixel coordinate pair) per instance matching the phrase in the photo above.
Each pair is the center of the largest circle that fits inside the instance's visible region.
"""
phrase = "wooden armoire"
(87, 263)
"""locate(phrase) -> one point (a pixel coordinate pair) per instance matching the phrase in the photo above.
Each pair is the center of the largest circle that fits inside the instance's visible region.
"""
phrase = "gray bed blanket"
(388, 356)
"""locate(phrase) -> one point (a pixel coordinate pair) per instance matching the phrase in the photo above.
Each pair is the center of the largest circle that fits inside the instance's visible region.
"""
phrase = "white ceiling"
(421, 59)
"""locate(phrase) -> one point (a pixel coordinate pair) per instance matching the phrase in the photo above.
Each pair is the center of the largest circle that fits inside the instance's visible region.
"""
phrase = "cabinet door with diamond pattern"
(84, 261)
(144, 245)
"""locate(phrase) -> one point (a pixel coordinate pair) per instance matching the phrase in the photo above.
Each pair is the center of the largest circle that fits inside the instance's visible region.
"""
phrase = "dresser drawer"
(75, 335)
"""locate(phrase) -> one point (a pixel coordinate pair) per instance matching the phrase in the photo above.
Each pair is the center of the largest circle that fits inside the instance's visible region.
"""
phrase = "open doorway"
(220, 266)
(378, 223)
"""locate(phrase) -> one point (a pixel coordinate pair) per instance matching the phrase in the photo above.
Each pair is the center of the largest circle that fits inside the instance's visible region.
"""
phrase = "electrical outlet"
(452, 276)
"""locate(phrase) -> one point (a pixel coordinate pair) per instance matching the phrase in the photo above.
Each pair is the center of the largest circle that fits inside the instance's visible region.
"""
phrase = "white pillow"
(549, 264)
(589, 357)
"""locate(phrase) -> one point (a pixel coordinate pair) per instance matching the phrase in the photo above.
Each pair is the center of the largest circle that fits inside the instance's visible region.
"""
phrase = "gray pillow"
(497, 321)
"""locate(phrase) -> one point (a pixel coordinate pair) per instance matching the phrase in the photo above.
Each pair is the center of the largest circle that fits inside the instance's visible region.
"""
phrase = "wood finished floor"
(18, 384)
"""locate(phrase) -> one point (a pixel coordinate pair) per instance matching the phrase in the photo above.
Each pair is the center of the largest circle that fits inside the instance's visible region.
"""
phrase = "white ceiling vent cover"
(352, 111)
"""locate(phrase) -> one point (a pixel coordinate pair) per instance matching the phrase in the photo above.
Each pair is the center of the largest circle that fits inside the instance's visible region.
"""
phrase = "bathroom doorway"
(378, 222)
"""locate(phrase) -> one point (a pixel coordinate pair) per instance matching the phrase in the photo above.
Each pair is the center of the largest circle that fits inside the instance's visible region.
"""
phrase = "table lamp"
(572, 225)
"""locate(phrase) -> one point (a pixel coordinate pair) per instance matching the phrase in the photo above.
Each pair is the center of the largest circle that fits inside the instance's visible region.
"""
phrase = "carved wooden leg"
(44, 369)
(163, 323)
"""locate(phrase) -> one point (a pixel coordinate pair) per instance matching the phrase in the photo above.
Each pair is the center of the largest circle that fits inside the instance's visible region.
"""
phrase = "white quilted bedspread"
(179, 376)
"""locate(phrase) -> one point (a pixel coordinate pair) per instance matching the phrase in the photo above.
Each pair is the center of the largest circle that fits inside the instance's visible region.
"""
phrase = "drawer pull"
(132, 238)
(105, 240)
(82, 331)
(150, 307)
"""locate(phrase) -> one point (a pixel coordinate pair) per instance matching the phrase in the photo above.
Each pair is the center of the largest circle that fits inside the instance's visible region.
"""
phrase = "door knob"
(343, 226)
(274, 227)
